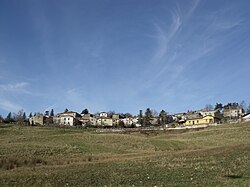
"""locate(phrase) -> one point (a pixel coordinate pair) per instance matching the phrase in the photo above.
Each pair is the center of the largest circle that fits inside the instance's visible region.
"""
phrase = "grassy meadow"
(53, 156)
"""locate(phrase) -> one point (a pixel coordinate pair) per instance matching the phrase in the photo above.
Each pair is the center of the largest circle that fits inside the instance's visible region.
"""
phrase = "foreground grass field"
(51, 156)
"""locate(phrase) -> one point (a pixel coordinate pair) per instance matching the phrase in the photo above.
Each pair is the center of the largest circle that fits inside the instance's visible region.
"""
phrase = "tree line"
(19, 117)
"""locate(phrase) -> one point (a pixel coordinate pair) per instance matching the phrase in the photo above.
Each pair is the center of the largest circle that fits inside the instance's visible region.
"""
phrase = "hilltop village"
(231, 113)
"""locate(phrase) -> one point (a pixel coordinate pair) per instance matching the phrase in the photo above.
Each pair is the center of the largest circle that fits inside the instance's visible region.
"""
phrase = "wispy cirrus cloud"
(193, 7)
(177, 46)
(184, 43)
(169, 38)
(8, 105)
(167, 33)
(20, 87)
(164, 36)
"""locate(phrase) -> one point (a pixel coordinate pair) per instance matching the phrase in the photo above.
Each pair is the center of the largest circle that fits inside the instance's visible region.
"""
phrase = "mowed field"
(53, 156)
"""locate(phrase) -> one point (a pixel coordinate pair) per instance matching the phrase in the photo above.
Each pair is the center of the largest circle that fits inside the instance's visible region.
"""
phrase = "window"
(197, 121)
(64, 119)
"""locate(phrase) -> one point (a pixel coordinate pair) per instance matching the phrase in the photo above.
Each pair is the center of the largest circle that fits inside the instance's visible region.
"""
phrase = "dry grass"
(50, 156)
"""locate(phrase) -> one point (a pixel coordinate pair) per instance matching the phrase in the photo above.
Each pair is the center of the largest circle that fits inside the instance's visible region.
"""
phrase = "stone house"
(233, 112)
(88, 119)
(104, 121)
(115, 119)
(69, 118)
(127, 121)
(40, 119)
(214, 113)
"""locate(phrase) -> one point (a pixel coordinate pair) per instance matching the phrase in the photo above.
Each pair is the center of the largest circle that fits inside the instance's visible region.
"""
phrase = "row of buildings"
(71, 118)
(231, 114)
(199, 117)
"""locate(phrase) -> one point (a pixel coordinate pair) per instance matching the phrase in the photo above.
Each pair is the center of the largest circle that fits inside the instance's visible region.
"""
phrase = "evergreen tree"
(9, 118)
(52, 112)
(231, 105)
(121, 124)
(148, 117)
(24, 116)
(163, 117)
(218, 106)
(85, 111)
(128, 115)
(30, 116)
(122, 116)
(140, 119)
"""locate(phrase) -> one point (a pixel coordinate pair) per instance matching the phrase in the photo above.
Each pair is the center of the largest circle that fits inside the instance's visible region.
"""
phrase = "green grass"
(52, 156)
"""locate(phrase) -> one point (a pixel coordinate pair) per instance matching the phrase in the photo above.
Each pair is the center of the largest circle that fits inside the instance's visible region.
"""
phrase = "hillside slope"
(51, 156)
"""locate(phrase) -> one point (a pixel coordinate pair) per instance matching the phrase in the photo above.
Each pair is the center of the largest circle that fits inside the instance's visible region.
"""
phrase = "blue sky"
(123, 55)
